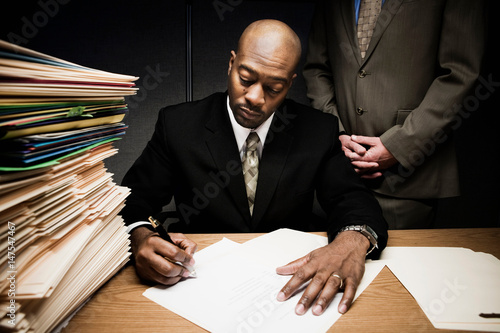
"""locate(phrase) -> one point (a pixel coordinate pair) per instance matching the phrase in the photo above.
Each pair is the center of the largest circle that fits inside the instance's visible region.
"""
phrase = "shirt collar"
(241, 133)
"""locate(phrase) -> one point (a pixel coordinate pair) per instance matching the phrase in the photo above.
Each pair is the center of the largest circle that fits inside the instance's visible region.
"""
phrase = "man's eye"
(273, 91)
(245, 82)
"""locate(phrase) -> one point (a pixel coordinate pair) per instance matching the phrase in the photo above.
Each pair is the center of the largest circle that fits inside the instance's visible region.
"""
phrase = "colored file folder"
(58, 203)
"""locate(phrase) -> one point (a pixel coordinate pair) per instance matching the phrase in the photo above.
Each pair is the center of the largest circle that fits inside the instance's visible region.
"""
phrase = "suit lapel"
(349, 20)
(223, 148)
(389, 10)
(274, 156)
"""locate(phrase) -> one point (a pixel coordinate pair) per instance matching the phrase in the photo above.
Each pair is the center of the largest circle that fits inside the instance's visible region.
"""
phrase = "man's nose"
(255, 95)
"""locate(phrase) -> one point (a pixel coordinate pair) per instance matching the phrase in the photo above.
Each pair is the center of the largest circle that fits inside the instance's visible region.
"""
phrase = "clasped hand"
(368, 155)
(342, 261)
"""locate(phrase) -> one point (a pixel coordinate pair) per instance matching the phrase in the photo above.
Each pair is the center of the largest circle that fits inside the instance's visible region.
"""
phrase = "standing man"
(249, 160)
(396, 73)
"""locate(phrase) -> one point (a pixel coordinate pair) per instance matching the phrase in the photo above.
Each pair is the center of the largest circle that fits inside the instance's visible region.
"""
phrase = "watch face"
(370, 230)
(368, 233)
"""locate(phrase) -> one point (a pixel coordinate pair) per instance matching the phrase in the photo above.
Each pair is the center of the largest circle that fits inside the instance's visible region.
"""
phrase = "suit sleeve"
(462, 41)
(149, 179)
(317, 72)
(345, 199)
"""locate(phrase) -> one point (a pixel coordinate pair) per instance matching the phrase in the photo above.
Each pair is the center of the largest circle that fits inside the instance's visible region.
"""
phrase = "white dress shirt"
(241, 133)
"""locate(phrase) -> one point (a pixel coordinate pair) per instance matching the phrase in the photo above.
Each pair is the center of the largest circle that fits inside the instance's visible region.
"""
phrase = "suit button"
(360, 111)
(362, 73)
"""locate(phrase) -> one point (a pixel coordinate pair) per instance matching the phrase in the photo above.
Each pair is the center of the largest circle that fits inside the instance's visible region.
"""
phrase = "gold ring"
(341, 281)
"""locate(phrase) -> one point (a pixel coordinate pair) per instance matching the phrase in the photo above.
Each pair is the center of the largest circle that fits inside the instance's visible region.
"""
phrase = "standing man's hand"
(355, 151)
(368, 155)
(377, 153)
(150, 252)
(339, 265)
(351, 147)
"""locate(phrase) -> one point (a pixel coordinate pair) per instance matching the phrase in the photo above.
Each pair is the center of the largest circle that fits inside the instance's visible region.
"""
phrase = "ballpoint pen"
(489, 315)
(164, 234)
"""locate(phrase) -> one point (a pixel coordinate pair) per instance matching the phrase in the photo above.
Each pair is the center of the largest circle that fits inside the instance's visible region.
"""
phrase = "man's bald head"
(262, 71)
(270, 36)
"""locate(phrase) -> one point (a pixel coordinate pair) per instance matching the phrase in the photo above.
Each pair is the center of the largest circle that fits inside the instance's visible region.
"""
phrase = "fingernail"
(342, 308)
(191, 262)
(186, 273)
(317, 310)
(300, 309)
(281, 296)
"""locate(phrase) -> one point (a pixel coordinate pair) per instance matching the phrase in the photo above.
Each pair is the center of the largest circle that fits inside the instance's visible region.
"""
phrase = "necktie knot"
(252, 141)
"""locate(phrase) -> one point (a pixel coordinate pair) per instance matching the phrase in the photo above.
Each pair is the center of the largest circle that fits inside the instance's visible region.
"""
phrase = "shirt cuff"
(135, 225)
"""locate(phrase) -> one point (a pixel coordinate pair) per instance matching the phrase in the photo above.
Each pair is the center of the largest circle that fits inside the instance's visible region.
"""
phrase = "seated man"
(221, 184)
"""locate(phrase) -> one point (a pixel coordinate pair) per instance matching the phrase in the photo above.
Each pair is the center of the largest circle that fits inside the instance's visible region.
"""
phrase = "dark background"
(148, 39)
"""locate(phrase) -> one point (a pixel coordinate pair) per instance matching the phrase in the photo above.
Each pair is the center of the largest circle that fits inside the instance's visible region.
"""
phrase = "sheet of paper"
(285, 245)
(235, 292)
(451, 285)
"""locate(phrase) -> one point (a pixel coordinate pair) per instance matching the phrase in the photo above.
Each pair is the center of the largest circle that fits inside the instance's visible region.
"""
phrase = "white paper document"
(236, 286)
(451, 285)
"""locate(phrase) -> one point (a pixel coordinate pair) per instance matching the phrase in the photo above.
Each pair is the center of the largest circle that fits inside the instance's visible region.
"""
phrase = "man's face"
(258, 83)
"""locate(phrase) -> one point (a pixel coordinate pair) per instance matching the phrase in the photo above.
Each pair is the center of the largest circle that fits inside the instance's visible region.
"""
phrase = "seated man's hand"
(344, 257)
(150, 252)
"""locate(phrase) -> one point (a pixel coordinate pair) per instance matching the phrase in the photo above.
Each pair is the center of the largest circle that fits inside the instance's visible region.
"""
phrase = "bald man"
(199, 154)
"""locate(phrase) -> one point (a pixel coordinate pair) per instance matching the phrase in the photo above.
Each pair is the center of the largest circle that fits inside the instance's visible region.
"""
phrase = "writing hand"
(345, 257)
(150, 252)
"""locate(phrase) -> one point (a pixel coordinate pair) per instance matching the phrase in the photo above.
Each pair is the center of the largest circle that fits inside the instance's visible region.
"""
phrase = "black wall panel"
(217, 26)
(140, 38)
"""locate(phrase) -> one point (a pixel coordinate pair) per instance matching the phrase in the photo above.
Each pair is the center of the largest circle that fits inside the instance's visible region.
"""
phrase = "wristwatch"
(365, 231)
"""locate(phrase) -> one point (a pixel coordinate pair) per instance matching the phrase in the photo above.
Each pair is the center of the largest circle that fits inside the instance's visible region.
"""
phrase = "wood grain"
(385, 306)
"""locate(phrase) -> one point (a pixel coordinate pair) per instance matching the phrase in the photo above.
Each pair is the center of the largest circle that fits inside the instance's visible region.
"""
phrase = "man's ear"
(291, 81)
(231, 61)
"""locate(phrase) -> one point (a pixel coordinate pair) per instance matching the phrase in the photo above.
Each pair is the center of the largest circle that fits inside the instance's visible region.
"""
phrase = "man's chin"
(248, 122)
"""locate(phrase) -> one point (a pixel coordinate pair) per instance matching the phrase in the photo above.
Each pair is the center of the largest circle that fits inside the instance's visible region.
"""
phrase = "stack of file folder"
(62, 237)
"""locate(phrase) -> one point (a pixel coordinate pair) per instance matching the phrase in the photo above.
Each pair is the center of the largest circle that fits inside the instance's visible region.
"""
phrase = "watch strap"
(366, 231)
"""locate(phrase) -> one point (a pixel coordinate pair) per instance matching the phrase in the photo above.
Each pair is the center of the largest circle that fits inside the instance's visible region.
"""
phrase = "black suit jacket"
(193, 156)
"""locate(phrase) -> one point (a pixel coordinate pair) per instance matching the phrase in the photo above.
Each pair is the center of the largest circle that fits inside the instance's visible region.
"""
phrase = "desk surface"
(384, 306)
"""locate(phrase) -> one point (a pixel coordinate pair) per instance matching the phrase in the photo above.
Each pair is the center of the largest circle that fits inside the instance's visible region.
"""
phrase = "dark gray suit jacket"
(193, 156)
(422, 62)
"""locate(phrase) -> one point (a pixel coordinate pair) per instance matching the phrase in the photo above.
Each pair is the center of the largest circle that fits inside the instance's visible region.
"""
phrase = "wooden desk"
(385, 306)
